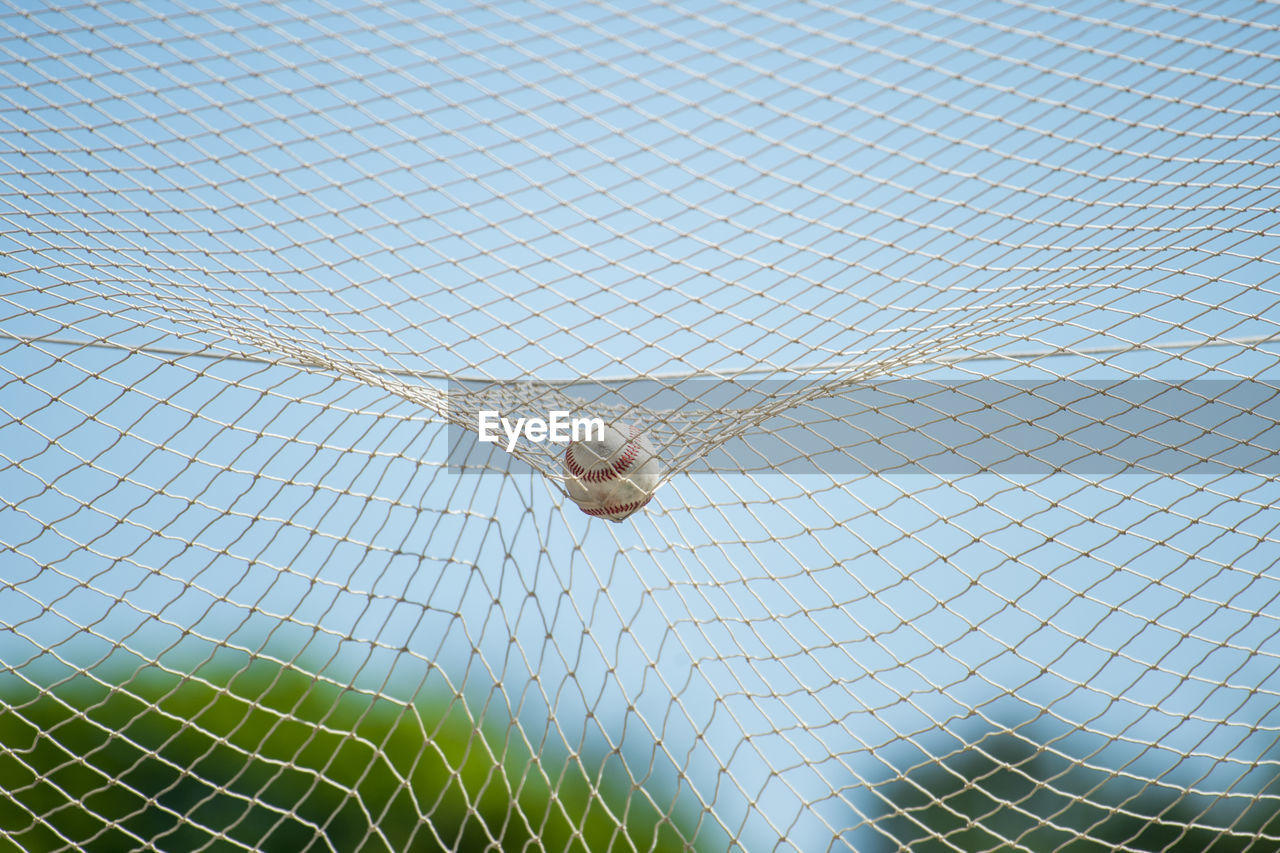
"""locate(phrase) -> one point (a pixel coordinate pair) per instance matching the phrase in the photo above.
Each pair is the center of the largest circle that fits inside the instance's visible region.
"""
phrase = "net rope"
(954, 327)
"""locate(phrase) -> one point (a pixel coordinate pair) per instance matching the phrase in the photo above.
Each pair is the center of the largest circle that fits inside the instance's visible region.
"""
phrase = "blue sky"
(525, 190)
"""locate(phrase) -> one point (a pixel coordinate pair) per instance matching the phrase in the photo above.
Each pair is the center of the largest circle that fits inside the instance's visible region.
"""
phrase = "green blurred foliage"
(268, 758)
(1009, 792)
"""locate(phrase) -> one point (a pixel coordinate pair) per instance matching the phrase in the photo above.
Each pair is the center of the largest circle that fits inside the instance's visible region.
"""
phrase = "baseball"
(613, 476)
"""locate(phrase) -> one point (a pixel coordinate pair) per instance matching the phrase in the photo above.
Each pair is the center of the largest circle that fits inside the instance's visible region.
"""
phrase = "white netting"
(955, 327)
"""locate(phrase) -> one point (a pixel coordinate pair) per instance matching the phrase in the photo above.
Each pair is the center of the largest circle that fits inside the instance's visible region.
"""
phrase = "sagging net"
(954, 326)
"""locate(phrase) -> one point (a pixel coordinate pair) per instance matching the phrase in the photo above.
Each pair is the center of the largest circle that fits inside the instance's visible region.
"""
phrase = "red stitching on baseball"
(614, 510)
(604, 475)
(572, 464)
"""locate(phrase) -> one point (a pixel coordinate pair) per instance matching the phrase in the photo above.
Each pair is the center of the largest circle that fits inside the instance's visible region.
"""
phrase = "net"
(953, 327)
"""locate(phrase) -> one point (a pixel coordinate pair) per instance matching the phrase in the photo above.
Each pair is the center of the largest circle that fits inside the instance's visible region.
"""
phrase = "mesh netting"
(954, 328)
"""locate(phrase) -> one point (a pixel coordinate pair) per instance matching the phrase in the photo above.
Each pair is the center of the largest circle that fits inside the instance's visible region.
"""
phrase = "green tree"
(1008, 792)
(269, 758)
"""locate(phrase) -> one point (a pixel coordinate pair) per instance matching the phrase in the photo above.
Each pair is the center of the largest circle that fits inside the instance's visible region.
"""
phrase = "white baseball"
(614, 476)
